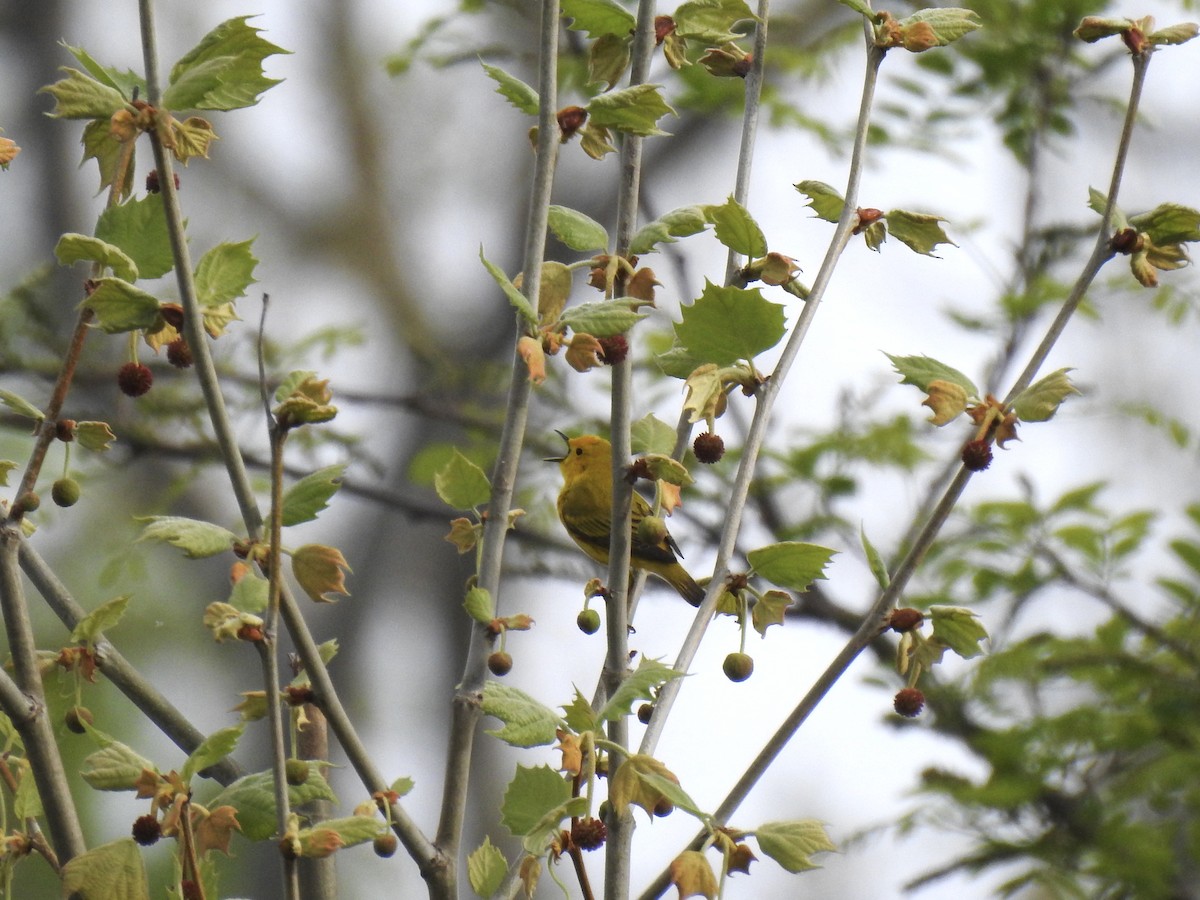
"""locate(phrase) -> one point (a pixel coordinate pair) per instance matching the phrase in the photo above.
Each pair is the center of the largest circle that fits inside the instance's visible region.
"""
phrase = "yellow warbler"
(585, 508)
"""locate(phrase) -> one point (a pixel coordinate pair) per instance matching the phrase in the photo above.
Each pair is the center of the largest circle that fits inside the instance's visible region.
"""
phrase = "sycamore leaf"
(945, 24)
(99, 620)
(535, 803)
(139, 229)
(728, 324)
(1094, 28)
(553, 292)
(692, 876)
(920, 232)
(651, 434)
(711, 21)
(825, 200)
(771, 609)
(320, 571)
(633, 110)
(791, 564)
(113, 871)
(608, 58)
(123, 81)
(120, 307)
(253, 796)
(577, 231)
(195, 538)
(1168, 223)
(479, 606)
(461, 483)
(958, 629)
(95, 436)
(921, 371)
(21, 406)
(682, 222)
(1179, 33)
(598, 17)
(527, 723)
(212, 750)
(486, 868)
(859, 6)
(73, 248)
(603, 318)
(224, 273)
(519, 301)
(579, 715)
(792, 844)
(875, 561)
(1040, 401)
(224, 71)
(640, 684)
(250, 594)
(114, 767)
(736, 228)
(513, 89)
(627, 786)
(305, 499)
(79, 96)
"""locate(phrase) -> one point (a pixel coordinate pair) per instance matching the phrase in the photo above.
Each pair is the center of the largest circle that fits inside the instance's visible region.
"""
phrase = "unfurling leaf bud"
(570, 120)
(977, 455)
(583, 352)
(134, 379)
(708, 447)
(947, 399)
(909, 702)
(738, 667)
(663, 26)
(906, 619)
(500, 663)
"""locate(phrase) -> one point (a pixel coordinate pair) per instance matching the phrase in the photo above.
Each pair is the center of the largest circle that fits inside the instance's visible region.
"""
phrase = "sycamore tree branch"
(466, 708)
(874, 621)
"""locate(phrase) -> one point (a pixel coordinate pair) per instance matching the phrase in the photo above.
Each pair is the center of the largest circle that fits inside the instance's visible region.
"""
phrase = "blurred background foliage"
(1061, 765)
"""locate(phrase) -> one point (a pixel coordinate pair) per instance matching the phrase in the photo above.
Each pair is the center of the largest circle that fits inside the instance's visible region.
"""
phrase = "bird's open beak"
(557, 459)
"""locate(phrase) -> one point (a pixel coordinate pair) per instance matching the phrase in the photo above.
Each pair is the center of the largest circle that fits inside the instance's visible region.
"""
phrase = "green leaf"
(114, 767)
(920, 232)
(728, 324)
(320, 571)
(26, 802)
(825, 201)
(792, 844)
(736, 229)
(305, 499)
(650, 434)
(579, 715)
(224, 273)
(94, 436)
(251, 593)
(608, 58)
(6, 468)
(1093, 28)
(921, 370)
(577, 231)
(603, 318)
(212, 750)
(791, 564)
(672, 791)
(224, 71)
(351, 829)
(139, 228)
(682, 222)
(121, 307)
(113, 871)
(859, 6)
(79, 96)
(958, 629)
(486, 868)
(253, 796)
(401, 786)
(513, 89)
(461, 484)
(633, 110)
(294, 379)
(639, 684)
(1179, 33)
(527, 723)
(73, 248)
(535, 803)
(948, 23)
(21, 406)
(125, 82)
(100, 619)
(875, 561)
(1040, 401)
(515, 297)
(1168, 223)
(664, 468)
(598, 17)
(195, 538)
(711, 21)
(479, 606)
(770, 609)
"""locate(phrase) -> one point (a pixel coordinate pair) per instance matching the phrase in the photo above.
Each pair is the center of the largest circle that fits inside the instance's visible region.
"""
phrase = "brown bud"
(663, 26)
(902, 620)
(570, 120)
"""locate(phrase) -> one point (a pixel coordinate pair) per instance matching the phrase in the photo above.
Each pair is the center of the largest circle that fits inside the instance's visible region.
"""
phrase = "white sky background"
(846, 767)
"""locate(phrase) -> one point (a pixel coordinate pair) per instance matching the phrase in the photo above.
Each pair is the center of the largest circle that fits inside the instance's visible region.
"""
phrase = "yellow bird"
(585, 508)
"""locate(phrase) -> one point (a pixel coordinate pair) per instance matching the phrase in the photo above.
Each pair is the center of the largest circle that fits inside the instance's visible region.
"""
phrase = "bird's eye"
(579, 451)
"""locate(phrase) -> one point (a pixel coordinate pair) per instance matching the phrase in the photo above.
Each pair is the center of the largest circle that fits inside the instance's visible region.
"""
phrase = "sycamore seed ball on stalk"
(585, 509)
